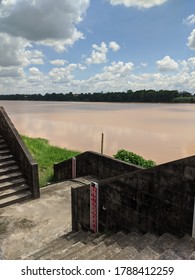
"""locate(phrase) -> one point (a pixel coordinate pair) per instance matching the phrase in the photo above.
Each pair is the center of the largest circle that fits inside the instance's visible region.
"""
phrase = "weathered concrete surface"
(28, 226)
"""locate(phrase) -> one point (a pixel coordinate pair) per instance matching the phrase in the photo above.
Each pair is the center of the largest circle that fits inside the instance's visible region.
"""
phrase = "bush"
(133, 158)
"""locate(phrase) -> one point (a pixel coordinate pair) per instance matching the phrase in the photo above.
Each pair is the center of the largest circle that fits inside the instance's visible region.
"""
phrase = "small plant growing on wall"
(133, 158)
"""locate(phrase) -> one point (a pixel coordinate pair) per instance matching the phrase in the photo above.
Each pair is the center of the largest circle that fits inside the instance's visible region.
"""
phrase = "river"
(161, 132)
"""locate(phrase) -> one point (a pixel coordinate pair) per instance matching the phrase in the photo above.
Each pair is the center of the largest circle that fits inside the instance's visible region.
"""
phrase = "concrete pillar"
(74, 167)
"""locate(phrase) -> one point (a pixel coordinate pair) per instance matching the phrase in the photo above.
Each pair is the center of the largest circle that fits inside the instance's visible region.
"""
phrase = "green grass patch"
(134, 158)
(46, 155)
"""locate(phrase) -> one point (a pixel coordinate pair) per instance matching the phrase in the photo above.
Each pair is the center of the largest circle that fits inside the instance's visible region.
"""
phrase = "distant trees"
(165, 96)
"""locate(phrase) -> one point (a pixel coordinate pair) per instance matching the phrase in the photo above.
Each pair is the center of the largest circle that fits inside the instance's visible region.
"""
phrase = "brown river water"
(161, 132)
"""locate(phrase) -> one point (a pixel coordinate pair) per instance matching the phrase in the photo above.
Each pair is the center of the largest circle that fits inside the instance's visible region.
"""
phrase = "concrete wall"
(21, 154)
(159, 199)
(91, 163)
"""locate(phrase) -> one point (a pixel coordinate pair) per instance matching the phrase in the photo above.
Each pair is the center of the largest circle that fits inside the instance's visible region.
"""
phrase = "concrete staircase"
(13, 187)
(118, 246)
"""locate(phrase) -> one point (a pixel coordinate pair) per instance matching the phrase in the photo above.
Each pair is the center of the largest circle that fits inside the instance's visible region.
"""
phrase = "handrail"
(20, 152)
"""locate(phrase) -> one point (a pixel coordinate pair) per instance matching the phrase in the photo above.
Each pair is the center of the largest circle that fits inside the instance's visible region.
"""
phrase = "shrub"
(133, 158)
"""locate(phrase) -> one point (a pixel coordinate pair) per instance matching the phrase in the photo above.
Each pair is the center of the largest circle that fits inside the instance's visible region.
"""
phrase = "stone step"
(91, 255)
(90, 242)
(13, 191)
(4, 158)
(163, 243)
(15, 198)
(8, 177)
(5, 152)
(144, 240)
(128, 241)
(117, 247)
(147, 254)
(3, 145)
(169, 255)
(66, 252)
(55, 246)
(7, 163)
(8, 170)
(11, 183)
(97, 239)
(184, 247)
(192, 256)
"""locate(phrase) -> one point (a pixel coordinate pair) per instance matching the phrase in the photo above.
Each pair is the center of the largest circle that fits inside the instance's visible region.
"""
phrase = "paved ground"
(28, 226)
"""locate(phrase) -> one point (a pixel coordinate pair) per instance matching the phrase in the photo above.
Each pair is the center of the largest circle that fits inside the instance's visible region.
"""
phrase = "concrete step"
(13, 191)
(3, 145)
(66, 252)
(192, 256)
(169, 255)
(184, 247)
(7, 163)
(55, 246)
(147, 254)
(9, 177)
(5, 152)
(97, 239)
(4, 158)
(90, 242)
(163, 243)
(97, 250)
(117, 247)
(8, 169)
(15, 198)
(138, 242)
(11, 183)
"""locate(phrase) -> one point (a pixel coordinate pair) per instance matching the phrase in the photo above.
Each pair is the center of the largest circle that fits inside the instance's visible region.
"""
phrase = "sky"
(99, 45)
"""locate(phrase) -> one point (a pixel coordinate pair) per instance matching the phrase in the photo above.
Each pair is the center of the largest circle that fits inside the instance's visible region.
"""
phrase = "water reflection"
(156, 131)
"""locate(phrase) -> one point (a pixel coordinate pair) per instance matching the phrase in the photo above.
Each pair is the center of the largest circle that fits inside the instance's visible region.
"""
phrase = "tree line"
(164, 96)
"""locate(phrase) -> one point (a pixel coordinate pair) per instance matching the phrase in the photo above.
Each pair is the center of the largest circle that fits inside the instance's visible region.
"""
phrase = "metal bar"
(102, 144)
(193, 226)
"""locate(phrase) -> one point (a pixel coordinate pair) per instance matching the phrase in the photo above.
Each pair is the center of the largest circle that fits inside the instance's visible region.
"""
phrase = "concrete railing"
(158, 199)
(92, 163)
(21, 154)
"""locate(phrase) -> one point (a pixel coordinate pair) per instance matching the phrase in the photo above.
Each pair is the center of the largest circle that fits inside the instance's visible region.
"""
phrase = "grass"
(46, 155)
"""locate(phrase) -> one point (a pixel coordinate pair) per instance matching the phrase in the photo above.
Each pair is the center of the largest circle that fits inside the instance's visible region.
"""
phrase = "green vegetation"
(165, 96)
(133, 158)
(46, 155)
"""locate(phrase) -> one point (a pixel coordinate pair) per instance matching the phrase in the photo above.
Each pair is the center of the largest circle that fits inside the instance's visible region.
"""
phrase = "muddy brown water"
(161, 132)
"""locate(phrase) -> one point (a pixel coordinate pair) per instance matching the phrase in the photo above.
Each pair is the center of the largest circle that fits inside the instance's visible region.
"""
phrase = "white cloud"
(120, 68)
(114, 46)
(191, 40)
(167, 64)
(138, 3)
(13, 72)
(98, 54)
(48, 22)
(189, 20)
(59, 62)
(191, 61)
(63, 74)
(35, 71)
(12, 51)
